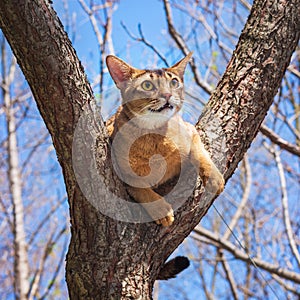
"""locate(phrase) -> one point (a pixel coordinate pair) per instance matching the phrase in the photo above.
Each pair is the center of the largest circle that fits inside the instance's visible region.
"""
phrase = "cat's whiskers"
(154, 104)
(189, 105)
(176, 101)
(146, 108)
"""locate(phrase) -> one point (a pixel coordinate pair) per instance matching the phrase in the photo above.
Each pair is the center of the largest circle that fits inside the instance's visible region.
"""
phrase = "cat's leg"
(211, 177)
(156, 206)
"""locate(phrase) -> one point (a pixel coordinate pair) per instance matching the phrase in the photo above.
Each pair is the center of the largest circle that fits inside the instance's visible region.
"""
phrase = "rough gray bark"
(108, 259)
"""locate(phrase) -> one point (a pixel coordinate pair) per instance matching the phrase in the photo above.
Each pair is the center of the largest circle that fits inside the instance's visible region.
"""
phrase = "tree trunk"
(109, 259)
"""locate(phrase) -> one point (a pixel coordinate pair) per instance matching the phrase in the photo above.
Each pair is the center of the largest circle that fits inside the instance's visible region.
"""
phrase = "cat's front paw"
(166, 221)
(215, 183)
(168, 214)
(162, 213)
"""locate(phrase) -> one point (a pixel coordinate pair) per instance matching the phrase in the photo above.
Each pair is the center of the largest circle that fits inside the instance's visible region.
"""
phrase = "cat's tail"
(173, 267)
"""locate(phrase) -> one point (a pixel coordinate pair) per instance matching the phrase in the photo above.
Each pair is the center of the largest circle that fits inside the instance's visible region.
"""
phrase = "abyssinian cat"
(148, 124)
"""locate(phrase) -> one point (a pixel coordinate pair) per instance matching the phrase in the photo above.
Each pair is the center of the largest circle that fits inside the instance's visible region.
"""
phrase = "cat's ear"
(119, 70)
(180, 66)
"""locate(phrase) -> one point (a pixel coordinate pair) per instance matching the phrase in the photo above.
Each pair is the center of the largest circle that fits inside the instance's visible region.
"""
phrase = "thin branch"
(286, 286)
(35, 282)
(246, 4)
(276, 139)
(7, 214)
(204, 284)
(144, 41)
(107, 40)
(184, 49)
(247, 239)
(229, 275)
(45, 219)
(244, 256)
(294, 71)
(39, 272)
(33, 150)
(93, 20)
(200, 18)
(244, 200)
(104, 38)
(58, 266)
(247, 292)
(285, 206)
(292, 128)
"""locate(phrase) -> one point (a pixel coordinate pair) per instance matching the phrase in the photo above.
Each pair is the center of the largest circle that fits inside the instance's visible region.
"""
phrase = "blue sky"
(131, 12)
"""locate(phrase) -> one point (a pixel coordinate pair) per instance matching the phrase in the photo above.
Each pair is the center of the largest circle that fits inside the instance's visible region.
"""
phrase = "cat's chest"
(171, 144)
(155, 146)
(165, 148)
(168, 145)
(158, 154)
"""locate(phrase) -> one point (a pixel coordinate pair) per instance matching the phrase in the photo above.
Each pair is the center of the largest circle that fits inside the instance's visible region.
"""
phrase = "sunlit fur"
(151, 100)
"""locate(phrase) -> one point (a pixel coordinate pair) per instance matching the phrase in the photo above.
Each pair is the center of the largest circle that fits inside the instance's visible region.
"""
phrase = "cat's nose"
(167, 96)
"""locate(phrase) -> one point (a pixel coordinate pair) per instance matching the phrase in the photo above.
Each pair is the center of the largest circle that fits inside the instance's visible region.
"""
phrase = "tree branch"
(145, 42)
(238, 213)
(285, 206)
(239, 254)
(229, 275)
(183, 47)
(276, 139)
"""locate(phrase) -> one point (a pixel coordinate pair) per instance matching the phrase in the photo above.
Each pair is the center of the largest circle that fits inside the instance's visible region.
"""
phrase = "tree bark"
(109, 259)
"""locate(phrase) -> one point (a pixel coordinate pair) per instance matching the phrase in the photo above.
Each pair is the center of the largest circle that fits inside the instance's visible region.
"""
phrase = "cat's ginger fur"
(176, 140)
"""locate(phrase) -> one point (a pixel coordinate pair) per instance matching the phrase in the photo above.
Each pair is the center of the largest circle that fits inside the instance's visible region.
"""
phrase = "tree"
(100, 262)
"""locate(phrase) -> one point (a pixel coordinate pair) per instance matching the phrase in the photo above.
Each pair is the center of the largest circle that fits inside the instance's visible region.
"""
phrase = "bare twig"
(200, 18)
(44, 221)
(285, 207)
(294, 71)
(246, 4)
(295, 131)
(229, 275)
(34, 148)
(104, 38)
(183, 47)
(244, 200)
(276, 139)
(144, 41)
(6, 213)
(58, 266)
(242, 255)
(39, 272)
(93, 21)
(107, 40)
(286, 286)
(204, 284)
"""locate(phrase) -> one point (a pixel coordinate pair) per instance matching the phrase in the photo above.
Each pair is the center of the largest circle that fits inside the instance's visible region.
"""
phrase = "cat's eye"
(147, 85)
(174, 83)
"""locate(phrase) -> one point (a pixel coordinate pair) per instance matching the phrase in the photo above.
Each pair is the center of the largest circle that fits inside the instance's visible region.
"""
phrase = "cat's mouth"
(165, 106)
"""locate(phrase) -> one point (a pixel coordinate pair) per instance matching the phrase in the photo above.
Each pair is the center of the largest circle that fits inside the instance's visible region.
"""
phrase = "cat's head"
(152, 96)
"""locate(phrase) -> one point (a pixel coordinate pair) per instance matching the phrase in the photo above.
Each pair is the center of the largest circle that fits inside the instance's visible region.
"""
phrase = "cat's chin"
(155, 119)
(165, 107)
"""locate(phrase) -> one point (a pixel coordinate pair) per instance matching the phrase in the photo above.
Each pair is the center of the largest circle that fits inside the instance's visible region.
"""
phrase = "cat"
(148, 123)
